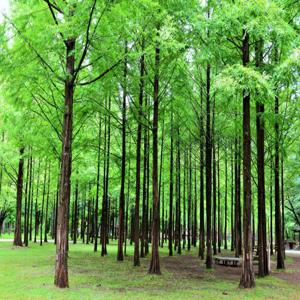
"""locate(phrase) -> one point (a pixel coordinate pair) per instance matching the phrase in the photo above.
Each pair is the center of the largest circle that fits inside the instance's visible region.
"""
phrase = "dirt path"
(189, 266)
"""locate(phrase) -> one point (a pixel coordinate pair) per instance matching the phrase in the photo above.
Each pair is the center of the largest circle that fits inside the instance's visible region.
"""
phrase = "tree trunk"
(232, 201)
(178, 195)
(75, 214)
(154, 264)
(189, 196)
(201, 229)
(96, 223)
(120, 256)
(170, 233)
(238, 231)
(208, 154)
(219, 204)
(47, 207)
(31, 199)
(263, 269)
(282, 206)
(214, 183)
(226, 204)
(145, 163)
(18, 224)
(61, 268)
(184, 198)
(247, 279)
(195, 207)
(27, 203)
(278, 226)
(136, 260)
(43, 204)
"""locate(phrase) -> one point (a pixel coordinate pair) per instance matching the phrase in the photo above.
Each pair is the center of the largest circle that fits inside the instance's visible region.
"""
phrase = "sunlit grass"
(27, 273)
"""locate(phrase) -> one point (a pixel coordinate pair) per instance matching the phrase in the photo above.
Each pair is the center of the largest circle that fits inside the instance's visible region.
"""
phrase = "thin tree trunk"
(75, 214)
(18, 224)
(219, 203)
(278, 226)
(27, 202)
(31, 198)
(96, 233)
(232, 218)
(214, 182)
(144, 233)
(120, 255)
(36, 223)
(154, 264)
(195, 207)
(282, 206)
(208, 154)
(201, 229)
(47, 206)
(43, 204)
(170, 234)
(226, 204)
(136, 260)
(178, 194)
(189, 196)
(278, 220)
(184, 199)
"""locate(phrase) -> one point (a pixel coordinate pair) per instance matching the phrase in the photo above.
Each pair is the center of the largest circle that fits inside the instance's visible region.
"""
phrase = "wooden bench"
(227, 261)
(232, 261)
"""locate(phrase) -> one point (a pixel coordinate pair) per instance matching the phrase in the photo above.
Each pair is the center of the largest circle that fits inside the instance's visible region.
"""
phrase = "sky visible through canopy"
(4, 7)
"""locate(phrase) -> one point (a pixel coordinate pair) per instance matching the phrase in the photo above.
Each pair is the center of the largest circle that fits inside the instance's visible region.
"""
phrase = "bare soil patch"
(190, 266)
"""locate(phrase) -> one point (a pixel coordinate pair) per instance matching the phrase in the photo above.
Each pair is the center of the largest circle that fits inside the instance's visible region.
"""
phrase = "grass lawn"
(27, 273)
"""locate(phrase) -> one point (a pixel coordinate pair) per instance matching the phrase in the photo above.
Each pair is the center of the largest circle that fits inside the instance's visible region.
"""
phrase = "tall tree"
(247, 279)
(154, 264)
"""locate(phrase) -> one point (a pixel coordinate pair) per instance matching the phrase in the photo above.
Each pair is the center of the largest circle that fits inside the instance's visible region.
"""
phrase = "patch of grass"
(27, 273)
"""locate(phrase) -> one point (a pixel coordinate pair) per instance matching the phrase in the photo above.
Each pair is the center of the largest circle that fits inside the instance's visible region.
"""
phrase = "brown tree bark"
(232, 218)
(120, 255)
(238, 230)
(278, 219)
(43, 204)
(104, 217)
(208, 175)
(18, 224)
(31, 199)
(154, 264)
(202, 141)
(170, 232)
(226, 203)
(195, 207)
(144, 201)
(189, 208)
(75, 214)
(247, 279)
(27, 202)
(96, 215)
(178, 195)
(214, 182)
(136, 260)
(61, 268)
(278, 226)
(184, 198)
(219, 202)
(261, 209)
(47, 205)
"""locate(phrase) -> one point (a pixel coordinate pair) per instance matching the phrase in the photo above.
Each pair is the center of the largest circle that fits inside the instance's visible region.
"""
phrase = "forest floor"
(27, 273)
